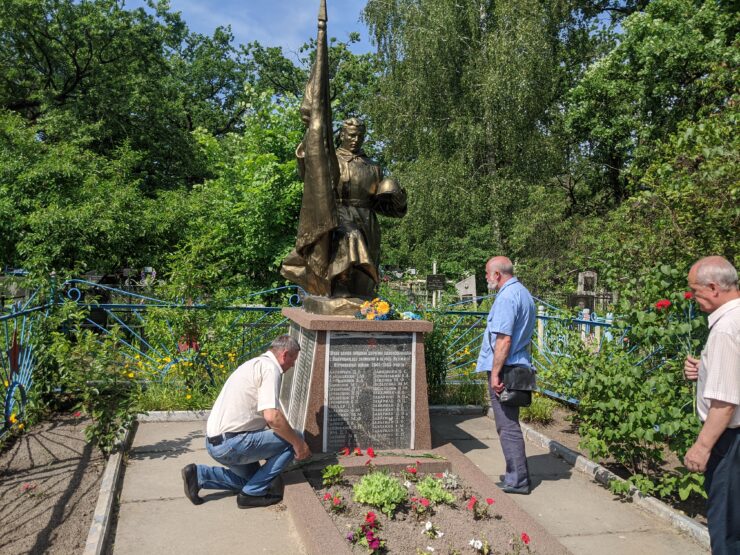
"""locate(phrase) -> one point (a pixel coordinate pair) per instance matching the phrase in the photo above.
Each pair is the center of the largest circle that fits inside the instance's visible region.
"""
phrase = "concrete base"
(317, 409)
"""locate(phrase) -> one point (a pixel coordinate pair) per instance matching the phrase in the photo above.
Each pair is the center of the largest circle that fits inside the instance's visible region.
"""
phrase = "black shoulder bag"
(519, 382)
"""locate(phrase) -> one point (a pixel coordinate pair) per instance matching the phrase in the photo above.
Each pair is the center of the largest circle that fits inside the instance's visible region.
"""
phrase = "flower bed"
(443, 505)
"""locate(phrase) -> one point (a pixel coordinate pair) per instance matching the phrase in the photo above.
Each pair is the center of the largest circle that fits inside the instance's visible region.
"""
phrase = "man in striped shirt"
(716, 452)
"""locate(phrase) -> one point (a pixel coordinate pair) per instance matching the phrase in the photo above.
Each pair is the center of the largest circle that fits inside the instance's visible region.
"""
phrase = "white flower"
(428, 525)
(478, 545)
(471, 543)
(430, 549)
(440, 534)
(407, 484)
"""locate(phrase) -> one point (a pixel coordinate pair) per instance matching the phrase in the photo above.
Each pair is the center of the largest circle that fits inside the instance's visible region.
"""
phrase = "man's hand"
(696, 458)
(496, 383)
(691, 368)
(302, 452)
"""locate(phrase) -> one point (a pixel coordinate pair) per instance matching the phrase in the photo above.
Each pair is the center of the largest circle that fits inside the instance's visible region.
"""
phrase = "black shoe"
(190, 481)
(277, 487)
(245, 501)
(523, 490)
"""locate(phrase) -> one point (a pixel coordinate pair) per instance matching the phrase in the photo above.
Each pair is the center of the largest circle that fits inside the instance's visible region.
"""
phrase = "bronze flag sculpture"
(337, 250)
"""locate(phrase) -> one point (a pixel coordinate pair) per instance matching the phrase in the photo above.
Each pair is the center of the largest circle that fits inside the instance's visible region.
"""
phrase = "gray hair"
(716, 269)
(502, 264)
(285, 343)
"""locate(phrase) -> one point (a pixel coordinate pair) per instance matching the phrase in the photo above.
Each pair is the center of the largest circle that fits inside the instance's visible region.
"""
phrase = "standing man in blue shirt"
(506, 342)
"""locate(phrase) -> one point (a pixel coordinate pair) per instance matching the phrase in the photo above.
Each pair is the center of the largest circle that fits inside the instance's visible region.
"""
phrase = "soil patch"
(406, 532)
(563, 430)
(50, 478)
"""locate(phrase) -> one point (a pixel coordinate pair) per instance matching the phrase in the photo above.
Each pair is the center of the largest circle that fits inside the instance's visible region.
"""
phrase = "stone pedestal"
(358, 383)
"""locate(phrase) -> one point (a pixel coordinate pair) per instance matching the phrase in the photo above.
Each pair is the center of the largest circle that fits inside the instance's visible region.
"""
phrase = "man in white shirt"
(716, 452)
(246, 425)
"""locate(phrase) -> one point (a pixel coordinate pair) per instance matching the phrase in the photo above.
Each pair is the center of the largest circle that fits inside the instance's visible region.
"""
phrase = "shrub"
(540, 410)
(380, 490)
(432, 489)
(332, 475)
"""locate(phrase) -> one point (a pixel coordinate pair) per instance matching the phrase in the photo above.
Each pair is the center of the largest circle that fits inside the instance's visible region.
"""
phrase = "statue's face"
(352, 139)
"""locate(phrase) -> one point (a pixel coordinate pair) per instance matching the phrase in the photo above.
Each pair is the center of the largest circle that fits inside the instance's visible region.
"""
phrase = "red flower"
(662, 304)
(525, 538)
(358, 452)
(424, 501)
(344, 451)
(471, 503)
(77, 414)
(368, 462)
(439, 475)
(688, 295)
(370, 452)
(327, 496)
(411, 470)
(489, 501)
(414, 499)
(337, 501)
(370, 518)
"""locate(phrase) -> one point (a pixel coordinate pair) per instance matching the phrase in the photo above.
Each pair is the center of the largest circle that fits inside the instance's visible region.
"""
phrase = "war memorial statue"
(337, 250)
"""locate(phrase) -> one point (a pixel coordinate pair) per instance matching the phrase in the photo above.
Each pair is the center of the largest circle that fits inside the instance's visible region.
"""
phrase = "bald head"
(713, 280)
(499, 270)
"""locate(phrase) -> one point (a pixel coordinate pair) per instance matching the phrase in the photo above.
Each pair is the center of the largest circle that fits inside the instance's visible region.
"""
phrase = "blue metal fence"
(155, 338)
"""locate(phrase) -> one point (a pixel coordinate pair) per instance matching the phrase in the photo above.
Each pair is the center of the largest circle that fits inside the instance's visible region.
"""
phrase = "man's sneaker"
(523, 490)
(190, 483)
(245, 501)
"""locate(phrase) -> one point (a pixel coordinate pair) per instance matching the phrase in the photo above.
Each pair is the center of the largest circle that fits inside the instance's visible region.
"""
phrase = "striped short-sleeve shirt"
(719, 371)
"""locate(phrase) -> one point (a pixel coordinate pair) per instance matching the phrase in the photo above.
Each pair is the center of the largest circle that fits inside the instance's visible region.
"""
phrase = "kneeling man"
(246, 426)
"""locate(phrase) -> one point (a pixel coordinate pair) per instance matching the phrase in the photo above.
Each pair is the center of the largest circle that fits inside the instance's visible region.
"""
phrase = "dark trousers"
(722, 484)
(512, 441)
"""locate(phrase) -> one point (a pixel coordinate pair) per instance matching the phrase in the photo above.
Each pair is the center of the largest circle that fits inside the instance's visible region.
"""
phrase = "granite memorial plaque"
(295, 385)
(369, 391)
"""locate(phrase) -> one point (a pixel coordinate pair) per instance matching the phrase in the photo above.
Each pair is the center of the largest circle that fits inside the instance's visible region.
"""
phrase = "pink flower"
(525, 538)
(489, 501)
(77, 414)
(370, 517)
(370, 452)
(337, 501)
(327, 496)
(471, 503)
(662, 304)
(424, 501)
(439, 475)
(688, 295)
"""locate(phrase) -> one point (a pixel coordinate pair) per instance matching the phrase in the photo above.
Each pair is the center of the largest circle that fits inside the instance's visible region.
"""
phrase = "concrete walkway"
(156, 518)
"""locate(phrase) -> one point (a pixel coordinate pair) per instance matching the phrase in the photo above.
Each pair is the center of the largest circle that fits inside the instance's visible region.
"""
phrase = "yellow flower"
(6, 383)
(21, 426)
(370, 316)
(130, 374)
(188, 396)
(13, 419)
(383, 307)
(220, 365)
(137, 357)
(167, 360)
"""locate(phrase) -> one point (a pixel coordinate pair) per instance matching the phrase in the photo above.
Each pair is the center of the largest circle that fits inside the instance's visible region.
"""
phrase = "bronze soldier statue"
(337, 252)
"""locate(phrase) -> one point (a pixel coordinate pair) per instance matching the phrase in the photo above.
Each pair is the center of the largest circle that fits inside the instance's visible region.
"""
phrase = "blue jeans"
(241, 455)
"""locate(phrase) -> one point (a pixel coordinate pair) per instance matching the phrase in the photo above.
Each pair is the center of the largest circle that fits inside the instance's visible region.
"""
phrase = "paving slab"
(581, 513)
(155, 516)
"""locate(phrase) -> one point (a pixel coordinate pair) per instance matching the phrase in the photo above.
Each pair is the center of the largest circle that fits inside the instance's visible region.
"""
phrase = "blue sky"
(286, 23)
